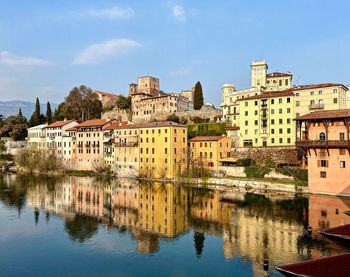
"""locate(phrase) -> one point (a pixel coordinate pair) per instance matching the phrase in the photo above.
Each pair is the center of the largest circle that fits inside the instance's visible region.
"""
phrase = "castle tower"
(259, 71)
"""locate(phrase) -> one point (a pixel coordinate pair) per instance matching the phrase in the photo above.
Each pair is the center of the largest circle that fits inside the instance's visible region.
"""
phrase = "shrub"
(256, 171)
(245, 162)
(297, 174)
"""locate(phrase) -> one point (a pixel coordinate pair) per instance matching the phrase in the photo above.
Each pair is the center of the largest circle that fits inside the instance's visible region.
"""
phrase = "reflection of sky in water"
(236, 237)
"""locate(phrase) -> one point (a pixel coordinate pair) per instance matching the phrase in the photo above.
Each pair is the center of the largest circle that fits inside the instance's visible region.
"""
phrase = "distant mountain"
(8, 108)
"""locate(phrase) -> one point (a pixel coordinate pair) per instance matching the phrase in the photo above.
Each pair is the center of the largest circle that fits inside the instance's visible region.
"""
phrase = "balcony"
(264, 115)
(316, 106)
(264, 106)
(126, 144)
(323, 143)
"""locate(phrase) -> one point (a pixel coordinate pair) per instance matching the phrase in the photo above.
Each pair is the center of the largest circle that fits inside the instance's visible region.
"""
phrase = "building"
(37, 136)
(163, 149)
(267, 120)
(108, 100)
(206, 151)
(89, 144)
(324, 138)
(328, 96)
(57, 137)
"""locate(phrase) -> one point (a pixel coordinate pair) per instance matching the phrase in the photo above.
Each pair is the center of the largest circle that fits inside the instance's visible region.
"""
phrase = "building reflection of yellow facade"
(162, 209)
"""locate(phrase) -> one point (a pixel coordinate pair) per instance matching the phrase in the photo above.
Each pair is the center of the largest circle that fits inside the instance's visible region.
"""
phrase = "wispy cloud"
(114, 12)
(179, 13)
(9, 59)
(97, 53)
(187, 69)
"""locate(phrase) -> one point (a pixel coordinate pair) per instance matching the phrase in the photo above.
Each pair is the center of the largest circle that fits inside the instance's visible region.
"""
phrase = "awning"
(228, 160)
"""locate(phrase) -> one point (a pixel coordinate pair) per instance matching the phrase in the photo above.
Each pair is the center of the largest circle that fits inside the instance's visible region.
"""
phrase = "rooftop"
(42, 126)
(271, 94)
(106, 94)
(206, 138)
(325, 114)
(278, 74)
(323, 85)
(145, 125)
(59, 123)
(92, 123)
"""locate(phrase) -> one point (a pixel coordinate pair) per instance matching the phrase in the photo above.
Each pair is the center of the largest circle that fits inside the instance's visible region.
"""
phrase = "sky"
(49, 47)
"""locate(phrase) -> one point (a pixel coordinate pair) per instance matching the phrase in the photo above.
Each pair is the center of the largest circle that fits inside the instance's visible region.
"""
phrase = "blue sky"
(48, 47)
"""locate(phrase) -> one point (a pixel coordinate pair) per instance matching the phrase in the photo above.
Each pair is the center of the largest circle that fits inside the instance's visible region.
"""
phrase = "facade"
(108, 100)
(89, 144)
(206, 151)
(324, 138)
(37, 136)
(267, 120)
(163, 149)
(328, 96)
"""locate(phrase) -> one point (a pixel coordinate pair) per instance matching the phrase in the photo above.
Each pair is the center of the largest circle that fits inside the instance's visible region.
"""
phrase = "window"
(341, 151)
(297, 94)
(335, 100)
(166, 150)
(322, 136)
(280, 131)
(288, 110)
(288, 100)
(323, 174)
(288, 120)
(256, 122)
(246, 123)
(281, 140)
(272, 111)
(322, 163)
(166, 140)
(255, 103)
(272, 140)
(272, 101)
(280, 100)
(246, 104)
(272, 131)
(341, 136)
(280, 121)
(255, 112)
(311, 93)
(280, 82)
(288, 130)
(342, 164)
(289, 140)
(280, 111)
(246, 113)
(320, 92)
(335, 90)
(246, 132)
(272, 121)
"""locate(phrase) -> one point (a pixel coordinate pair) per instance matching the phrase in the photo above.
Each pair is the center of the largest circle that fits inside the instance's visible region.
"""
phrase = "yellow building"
(162, 148)
(318, 97)
(267, 120)
(206, 151)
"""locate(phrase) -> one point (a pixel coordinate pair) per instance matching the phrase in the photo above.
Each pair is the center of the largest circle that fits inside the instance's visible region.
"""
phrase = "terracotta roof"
(218, 116)
(94, 122)
(324, 85)
(278, 74)
(59, 123)
(145, 125)
(107, 94)
(71, 129)
(232, 128)
(271, 94)
(325, 114)
(207, 138)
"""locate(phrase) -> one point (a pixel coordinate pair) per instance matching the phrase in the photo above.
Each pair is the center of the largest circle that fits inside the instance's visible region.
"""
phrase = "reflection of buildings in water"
(162, 209)
(88, 196)
(327, 212)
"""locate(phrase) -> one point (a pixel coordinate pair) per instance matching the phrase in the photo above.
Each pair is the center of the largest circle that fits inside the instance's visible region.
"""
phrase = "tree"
(83, 104)
(62, 112)
(124, 103)
(20, 119)
(48, 113)
(35, 119)
(2, 147)
(198, 96)
(173, 117)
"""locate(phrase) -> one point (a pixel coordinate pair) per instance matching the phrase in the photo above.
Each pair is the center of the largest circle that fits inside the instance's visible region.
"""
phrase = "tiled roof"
(59, 123)
(38, 127)
(207, 138)
(325, 114)
(278, 74)
(232, 128)
(106, 94)
(145, 125)
(324, 85)
(91, 123)
(71, 129)
(271, 94)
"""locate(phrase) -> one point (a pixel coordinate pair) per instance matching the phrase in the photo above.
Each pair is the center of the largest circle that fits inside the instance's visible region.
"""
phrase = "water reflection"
(252, 226)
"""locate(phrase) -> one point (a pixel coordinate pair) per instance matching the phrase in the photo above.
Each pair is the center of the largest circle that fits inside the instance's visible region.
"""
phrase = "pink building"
(324, 138)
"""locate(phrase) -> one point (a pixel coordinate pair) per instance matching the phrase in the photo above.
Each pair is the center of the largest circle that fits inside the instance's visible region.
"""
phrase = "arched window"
(322, 136)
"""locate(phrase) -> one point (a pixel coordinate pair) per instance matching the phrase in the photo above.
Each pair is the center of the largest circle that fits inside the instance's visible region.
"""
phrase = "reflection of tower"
(36, 215)
(198, 238)
(147, 243)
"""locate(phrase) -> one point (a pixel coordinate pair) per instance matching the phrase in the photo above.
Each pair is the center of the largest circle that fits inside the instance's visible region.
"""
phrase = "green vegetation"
(48, 113)
(80, 173)
(124, 103)
(245, 162)
(256, 171)
(173, 117)
(14, 126)
(198, 99)
(296, 173)
(206, 129)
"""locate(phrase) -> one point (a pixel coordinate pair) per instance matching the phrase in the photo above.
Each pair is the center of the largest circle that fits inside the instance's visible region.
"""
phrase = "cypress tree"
(35, 118)
(48, 113)
(20, 112)
(198, 96)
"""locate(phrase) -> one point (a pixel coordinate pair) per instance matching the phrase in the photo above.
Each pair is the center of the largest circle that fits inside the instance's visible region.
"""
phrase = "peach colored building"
(89, 144)
(324, 138)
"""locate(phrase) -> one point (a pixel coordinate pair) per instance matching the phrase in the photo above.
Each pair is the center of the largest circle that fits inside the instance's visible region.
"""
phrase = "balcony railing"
(316, 106)
(322, 143)
(126, 144)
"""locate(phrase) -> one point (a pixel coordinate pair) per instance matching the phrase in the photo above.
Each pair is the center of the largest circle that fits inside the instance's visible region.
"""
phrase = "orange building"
(324, 138)
(208, 150)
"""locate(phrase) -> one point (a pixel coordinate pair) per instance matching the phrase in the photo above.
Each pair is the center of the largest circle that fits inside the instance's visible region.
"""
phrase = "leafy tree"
(35, 119)
(62, 112)
(173, 117)
(124, 103)
(48, 113)
(20, 119)
(14, 127)
(183, 120)
(198, 99)
(83, 104)
(2, 147)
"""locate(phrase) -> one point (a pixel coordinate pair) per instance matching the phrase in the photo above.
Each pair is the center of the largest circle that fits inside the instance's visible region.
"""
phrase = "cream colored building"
(37, 136)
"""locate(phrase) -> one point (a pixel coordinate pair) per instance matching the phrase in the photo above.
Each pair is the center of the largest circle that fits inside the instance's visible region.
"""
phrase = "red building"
(324, 138)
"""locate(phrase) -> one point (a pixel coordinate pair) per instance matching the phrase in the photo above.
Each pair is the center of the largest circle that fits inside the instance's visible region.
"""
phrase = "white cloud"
(113, 13)
(187, 69)
(9, 59)
(179, 13)
(97, 53)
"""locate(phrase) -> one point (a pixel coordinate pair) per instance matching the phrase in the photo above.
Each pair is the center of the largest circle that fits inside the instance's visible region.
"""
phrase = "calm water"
(79, 226)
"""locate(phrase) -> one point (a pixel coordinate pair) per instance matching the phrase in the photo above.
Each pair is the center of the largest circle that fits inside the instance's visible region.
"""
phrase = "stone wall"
(238, 171)
(211, 114)
(118, 114)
